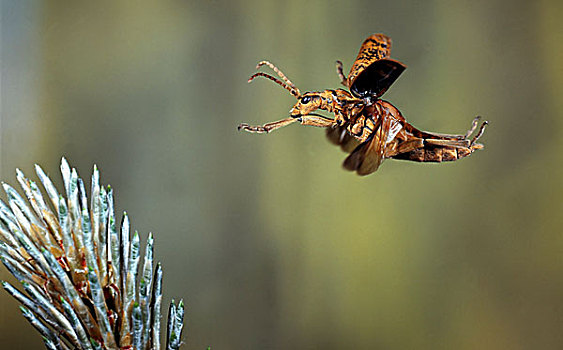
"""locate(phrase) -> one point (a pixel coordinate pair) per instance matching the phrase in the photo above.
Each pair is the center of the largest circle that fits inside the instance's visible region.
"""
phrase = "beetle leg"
(310, 120)
(473, 126)
(316, 120)
(460, 145)
(266, 128)
(440, 136)
(448, 143)
(340, 72)
(480, 133)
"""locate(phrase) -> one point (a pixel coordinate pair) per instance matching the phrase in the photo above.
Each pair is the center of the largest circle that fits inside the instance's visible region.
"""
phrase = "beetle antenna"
(278, 72)
(292, 89)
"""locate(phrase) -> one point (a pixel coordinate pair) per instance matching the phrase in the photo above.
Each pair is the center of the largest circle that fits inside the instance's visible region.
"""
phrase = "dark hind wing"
(339, 136)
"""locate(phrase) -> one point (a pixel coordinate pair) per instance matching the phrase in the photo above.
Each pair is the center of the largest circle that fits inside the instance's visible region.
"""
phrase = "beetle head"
(306, 104)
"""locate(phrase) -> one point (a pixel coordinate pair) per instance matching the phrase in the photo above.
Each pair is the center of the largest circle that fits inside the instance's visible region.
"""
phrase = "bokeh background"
(271, 243)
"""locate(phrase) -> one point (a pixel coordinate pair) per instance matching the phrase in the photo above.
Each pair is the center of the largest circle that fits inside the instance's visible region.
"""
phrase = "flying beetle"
(364, 125)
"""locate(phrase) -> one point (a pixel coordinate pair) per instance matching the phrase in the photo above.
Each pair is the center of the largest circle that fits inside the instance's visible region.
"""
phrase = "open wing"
(373, 72)
(368, 156)
(377, 78)
(339, 136)
(364, 159)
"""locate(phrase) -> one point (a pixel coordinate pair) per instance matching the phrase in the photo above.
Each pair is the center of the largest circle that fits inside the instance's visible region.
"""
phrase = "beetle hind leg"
(441, 136)
(479, 133)
(474, 124)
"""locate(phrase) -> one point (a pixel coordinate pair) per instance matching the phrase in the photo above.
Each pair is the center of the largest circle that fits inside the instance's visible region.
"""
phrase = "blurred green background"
(271, 243)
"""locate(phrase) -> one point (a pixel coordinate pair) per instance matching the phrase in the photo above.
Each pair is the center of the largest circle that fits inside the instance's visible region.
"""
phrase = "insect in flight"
(363, 124)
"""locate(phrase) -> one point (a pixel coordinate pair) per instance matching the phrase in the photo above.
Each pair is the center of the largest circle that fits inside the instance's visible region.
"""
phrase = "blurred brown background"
(270, 242)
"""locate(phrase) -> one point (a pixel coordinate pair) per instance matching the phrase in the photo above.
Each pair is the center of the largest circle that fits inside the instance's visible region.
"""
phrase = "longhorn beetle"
(367, 127)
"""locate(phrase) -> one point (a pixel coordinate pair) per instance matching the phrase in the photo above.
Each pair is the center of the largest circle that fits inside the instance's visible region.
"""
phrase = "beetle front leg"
(266, 128)
(310, 120)
(316, 120)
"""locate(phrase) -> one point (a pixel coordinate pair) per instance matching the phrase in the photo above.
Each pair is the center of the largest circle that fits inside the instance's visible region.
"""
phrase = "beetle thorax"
(335, 101)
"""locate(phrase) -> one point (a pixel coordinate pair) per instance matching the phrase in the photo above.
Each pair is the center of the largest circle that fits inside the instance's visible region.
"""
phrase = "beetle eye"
(306, 99)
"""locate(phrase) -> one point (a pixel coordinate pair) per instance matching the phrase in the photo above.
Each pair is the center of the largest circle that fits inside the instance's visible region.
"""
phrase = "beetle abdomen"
(435, 154)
